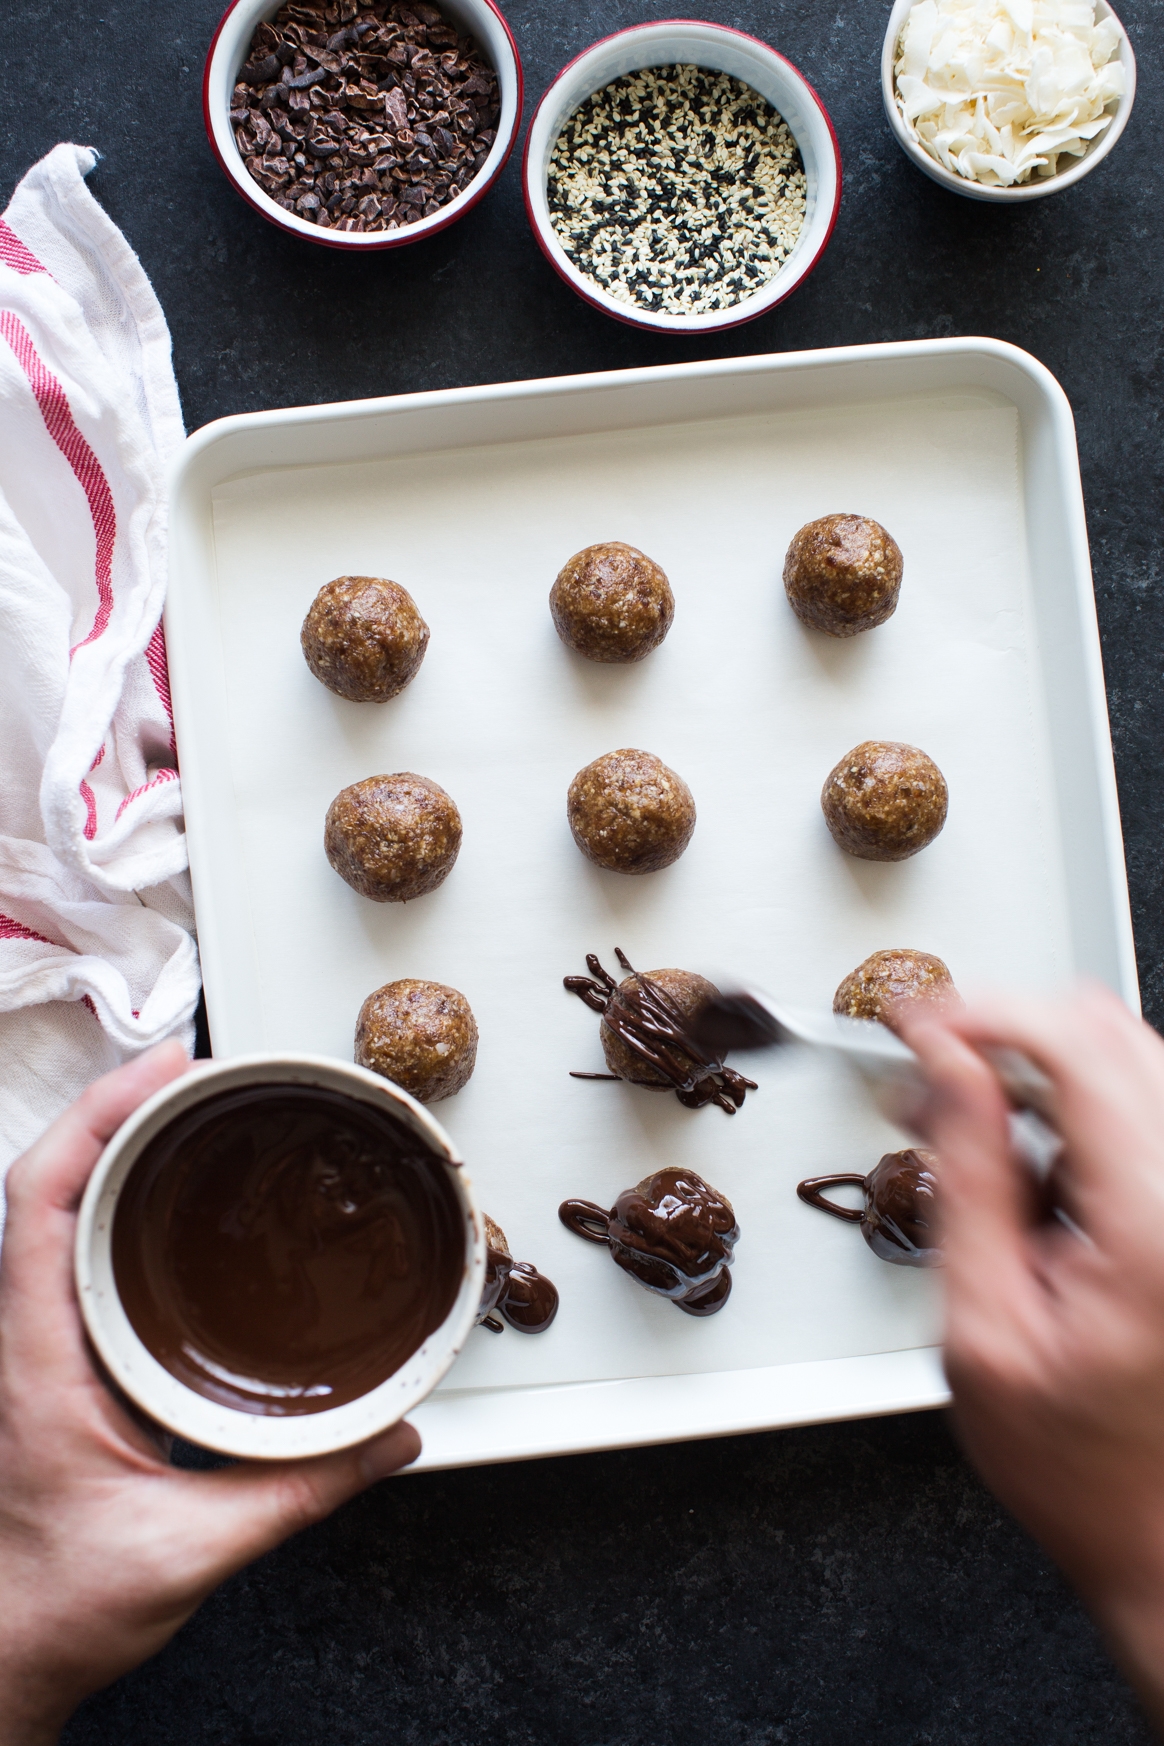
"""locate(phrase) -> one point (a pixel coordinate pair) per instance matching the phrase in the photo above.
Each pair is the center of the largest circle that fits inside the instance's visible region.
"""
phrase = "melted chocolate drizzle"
(897, 1219)
(674, 1233)
(518, 1292)
(648, 1021)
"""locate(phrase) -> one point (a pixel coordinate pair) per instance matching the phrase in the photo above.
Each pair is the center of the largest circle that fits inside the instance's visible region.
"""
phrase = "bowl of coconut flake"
(1007, 100)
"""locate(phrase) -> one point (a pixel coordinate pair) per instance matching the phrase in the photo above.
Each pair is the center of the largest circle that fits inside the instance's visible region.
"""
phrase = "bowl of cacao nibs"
(362, 124)
(682, 176)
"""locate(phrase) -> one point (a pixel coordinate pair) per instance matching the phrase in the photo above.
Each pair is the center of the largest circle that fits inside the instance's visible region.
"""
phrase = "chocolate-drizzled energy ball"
(843, 574)
(630, 813)
(393, 837)
(363, 638)
(884, 801)
(674, 1233)
(897, 1220)
(612, 603)
(874, 988)
(421, 1035)
(647, 1038)
(684, 990)
(514, 1290)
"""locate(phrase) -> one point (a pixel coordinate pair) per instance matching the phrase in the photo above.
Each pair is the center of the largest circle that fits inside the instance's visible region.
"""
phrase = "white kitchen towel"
(96, 924)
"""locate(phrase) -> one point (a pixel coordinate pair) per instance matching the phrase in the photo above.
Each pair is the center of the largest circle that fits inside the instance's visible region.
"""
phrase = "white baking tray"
(473, 499)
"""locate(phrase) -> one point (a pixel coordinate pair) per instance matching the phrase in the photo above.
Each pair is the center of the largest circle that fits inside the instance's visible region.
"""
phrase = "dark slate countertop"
(844, 1583)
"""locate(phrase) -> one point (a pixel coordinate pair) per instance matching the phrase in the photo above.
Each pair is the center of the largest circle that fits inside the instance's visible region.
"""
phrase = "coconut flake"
(997, 90)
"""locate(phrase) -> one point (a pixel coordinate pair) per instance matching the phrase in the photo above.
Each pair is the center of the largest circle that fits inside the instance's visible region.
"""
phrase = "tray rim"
(671, 1409)
(531, 387)
(632, 1412)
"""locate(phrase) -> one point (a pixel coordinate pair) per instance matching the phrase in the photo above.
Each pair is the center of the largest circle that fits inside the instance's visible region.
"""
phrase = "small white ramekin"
(1034, 190)
(228, 52)
(206, 1422)
(686, 41)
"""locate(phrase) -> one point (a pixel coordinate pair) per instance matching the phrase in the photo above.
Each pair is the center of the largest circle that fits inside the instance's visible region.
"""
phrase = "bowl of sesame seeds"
(362, 124)
(682, 176)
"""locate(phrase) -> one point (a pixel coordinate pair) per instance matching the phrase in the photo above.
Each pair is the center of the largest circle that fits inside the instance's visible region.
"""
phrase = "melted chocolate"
(897, 1220)
(648, 1021)
(531, 1301)
(734, 1021)
(517, 1291)
(497, 1268)
(673, 1233)
(284, 1249)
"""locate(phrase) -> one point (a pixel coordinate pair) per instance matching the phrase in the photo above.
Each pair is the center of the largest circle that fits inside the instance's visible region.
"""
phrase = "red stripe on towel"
(162, 776)
(58, 418)
(14, 930)
(90, 801)
(14, 254)
(159, 666)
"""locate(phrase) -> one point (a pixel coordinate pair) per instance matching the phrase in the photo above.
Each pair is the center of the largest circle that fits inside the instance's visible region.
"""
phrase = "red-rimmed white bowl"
(228, 52)
(690, 42)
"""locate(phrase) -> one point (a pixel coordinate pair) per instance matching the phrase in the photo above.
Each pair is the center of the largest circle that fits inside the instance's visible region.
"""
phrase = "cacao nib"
(372, 93)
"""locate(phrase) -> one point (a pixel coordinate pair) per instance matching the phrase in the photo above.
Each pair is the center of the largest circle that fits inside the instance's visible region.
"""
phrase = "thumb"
(253, 1507)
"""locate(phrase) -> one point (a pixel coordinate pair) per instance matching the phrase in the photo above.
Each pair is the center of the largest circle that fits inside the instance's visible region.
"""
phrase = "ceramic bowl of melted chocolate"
(279, 1256)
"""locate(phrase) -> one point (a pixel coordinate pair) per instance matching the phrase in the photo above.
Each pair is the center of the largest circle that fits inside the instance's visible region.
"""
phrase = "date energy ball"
(421, 1035)
(843, 574)
(884, 801)
(363, 638)
(612, 603)
(874, 988)
(630, 813)
(393, 837)
(688, 991)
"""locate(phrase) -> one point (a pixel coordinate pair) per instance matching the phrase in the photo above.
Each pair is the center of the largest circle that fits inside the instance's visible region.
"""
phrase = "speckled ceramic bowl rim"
(208, 1423)
(232, 39)
(752, 307)
(979, 190)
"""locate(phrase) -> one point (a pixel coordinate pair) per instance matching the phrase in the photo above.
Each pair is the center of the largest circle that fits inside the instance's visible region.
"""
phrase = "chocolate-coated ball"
(898, 1218)
(899, 1222)
(673, 1232)
(514, 1290)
